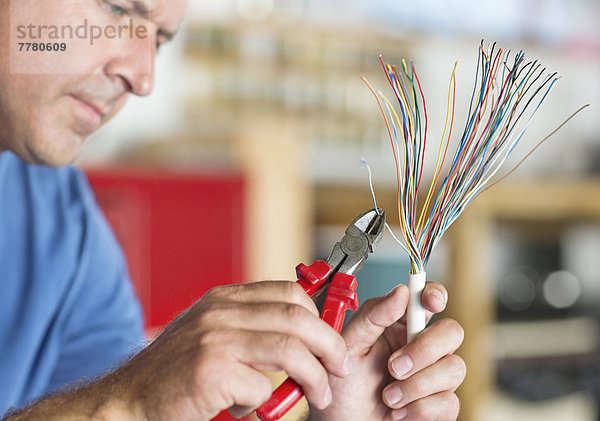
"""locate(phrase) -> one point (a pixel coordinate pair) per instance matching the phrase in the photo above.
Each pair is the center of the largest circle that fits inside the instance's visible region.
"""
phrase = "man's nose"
(134, 63)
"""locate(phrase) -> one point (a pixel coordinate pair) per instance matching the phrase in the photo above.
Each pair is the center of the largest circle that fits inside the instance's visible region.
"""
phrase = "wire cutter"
(347, 257)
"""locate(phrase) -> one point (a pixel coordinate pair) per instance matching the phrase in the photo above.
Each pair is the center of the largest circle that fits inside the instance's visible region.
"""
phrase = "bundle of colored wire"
(506, 96)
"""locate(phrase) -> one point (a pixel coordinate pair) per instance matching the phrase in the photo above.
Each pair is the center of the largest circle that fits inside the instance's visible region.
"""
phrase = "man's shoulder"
(52, 208)
(38, 184)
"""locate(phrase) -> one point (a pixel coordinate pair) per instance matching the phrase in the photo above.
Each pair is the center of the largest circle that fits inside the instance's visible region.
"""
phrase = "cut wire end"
(365, 164)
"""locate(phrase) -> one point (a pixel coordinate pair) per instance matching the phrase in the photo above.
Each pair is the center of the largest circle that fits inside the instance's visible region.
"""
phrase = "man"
(68, 311)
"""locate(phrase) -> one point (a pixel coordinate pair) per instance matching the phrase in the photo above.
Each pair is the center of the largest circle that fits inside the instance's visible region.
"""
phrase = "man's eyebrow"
(140, 9)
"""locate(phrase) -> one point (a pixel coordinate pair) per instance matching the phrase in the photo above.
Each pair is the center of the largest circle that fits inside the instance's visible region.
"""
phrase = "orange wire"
(391, 141)
(438, 169)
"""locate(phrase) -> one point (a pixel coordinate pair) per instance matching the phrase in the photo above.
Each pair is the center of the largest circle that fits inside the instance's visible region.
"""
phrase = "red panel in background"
(182, 233)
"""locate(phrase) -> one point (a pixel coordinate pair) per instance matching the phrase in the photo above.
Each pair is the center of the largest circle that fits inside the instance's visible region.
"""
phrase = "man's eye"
(115, 9)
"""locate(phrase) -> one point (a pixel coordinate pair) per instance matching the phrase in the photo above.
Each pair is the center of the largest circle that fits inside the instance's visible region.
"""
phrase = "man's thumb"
(373, 317)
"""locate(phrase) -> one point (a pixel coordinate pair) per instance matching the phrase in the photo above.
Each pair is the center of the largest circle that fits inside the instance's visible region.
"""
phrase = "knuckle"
(293, 313)
(422, 349)
(366, 309)
(264, 390)
(323, 381)
(225, 293)
(418, 411)
(369, 304)
(340, 347)
(216, 292)
(213, 315)
(416, 389)
(317, 384)
(214, 337)
(261, 392)
(454, 327)
(296, 294)
(319, 378)
(288, 345)
(293, 290)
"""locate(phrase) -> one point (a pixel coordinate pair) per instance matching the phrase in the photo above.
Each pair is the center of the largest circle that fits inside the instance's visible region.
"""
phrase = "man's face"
(46, 117)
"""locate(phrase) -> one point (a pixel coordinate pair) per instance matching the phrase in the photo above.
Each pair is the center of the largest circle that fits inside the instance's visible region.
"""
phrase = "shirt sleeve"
(103, 323)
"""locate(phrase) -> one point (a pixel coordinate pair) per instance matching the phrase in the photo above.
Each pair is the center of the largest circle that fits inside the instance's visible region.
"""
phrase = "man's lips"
(88, 115)
(98, 109)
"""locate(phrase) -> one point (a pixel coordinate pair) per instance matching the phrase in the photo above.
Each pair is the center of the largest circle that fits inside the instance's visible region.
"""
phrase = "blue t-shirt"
(67, 308)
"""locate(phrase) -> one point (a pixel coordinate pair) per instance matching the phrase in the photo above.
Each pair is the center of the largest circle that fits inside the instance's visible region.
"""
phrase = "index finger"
(441, 338)
(264, 292)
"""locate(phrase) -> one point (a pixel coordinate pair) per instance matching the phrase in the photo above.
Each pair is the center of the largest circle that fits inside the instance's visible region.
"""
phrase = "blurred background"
(245, 161)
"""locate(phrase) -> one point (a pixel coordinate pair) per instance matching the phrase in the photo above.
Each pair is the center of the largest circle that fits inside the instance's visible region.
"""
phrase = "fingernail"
(392, 395)
(399, 414)
(348, 366)
(328, 396)
(441, 297)
(402, 365)
(389, 294)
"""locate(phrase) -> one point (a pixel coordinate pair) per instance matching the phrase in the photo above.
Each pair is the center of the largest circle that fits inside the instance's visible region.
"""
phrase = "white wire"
(396, 238)
(365, 164)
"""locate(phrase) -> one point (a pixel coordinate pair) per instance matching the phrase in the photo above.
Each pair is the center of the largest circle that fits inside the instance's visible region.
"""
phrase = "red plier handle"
(341, 296)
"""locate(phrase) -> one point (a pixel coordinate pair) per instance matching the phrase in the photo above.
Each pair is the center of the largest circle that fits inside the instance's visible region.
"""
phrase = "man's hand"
(209, 358)
(392, 380)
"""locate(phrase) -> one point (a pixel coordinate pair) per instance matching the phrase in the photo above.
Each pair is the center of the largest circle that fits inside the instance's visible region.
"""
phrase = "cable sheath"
(415, 317)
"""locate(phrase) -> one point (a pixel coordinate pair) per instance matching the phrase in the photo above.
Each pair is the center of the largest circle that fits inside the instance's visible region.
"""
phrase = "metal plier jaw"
(337, 276)
(362, 235)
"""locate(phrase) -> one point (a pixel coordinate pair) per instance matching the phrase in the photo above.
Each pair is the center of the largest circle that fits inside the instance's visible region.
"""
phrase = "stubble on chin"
(53, 140)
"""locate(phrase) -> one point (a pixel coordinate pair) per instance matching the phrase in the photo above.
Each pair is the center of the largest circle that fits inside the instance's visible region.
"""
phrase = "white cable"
(415, 316)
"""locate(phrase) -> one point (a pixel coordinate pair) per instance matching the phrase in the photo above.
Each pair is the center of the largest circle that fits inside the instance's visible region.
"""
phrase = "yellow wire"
(397, 118)
(410, 185)
(403, 223)
(400, 214)
(437, 164)
(414, 96)
(411, 130)
(406, 103)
